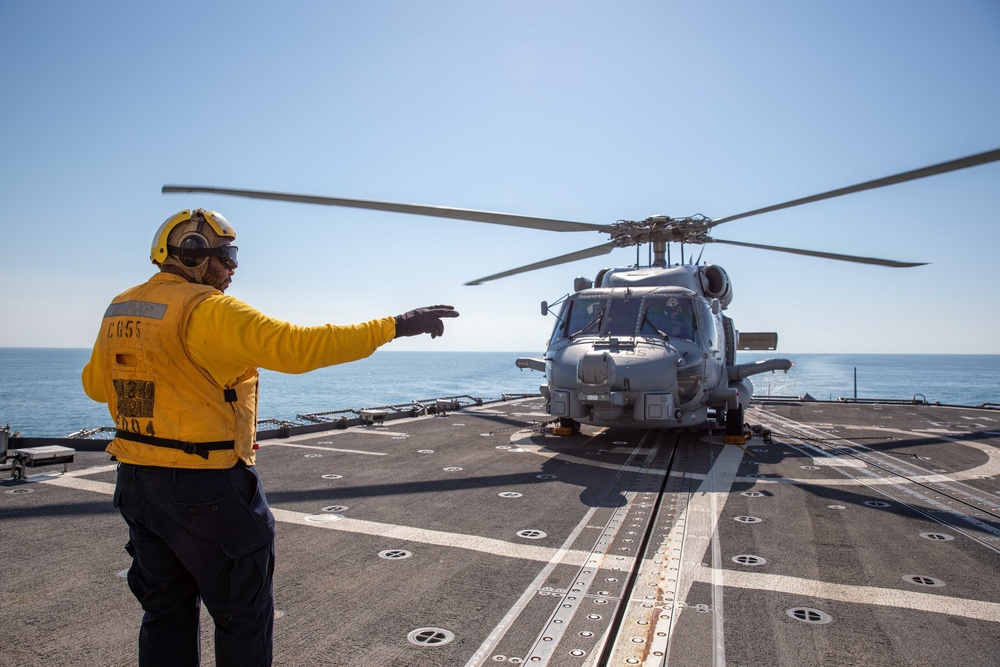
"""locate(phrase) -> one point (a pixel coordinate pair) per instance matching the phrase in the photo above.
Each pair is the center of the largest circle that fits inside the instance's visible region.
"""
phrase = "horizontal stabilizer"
(764, 340)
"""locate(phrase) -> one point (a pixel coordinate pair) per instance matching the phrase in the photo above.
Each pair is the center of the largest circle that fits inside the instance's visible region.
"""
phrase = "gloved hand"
(423, 320)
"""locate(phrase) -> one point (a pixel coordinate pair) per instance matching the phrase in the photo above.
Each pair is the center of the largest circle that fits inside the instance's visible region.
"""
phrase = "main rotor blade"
(828, 255)
(944, 167)
(509, 219)
(602, 249)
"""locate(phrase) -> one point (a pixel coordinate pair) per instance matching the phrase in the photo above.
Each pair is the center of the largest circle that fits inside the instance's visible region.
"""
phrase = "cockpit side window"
(672, 317)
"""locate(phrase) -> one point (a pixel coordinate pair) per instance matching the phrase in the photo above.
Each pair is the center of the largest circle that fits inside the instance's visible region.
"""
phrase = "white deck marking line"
(402, 533)
(82, 472)
(551, 634)
(868, 595)
(524, 442)
(696, 528)
(989, 469)
(718, 625)
(887, 470)
(528, 595)
(95, 470)
(436, 537)
(333, 432)
(906, 488)
(81, 484)
(325, 449)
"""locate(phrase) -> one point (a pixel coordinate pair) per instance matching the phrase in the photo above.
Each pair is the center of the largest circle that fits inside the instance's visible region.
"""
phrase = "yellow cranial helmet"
(188, 236)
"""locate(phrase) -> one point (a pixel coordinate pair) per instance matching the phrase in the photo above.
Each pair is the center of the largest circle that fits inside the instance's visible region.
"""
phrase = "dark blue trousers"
(199, 536)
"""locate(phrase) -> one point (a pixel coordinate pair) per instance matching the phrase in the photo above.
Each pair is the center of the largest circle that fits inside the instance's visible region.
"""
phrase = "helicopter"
(642, 346)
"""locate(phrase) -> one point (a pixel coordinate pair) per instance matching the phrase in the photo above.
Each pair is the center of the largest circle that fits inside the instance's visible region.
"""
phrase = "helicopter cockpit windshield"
(580, 317)
(671, 317)
(668, 317)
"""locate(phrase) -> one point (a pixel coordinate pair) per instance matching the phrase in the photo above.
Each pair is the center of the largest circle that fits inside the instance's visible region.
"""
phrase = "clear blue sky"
(590, 111)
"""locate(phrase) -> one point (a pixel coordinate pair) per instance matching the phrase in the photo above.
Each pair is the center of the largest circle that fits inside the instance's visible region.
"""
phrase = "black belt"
(200, 448)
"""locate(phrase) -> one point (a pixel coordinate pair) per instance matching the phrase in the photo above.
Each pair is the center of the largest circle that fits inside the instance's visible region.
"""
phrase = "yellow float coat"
(168, 351)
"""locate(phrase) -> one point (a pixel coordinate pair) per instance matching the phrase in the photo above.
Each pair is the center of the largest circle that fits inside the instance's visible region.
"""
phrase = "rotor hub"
(661, 228)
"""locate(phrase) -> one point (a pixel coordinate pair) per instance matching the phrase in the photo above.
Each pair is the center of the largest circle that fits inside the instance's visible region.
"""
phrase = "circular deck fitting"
(323, 518)
(452, 469)
(747, 519)
(425, 451)
(620, 442)
(532, 534)
(752, 494)
(337, 509)
(394, 554)
(15, 492)
(809, 467)
(546, 477)
(510, 494)
(941, 537)
(312, 456)
(577, 653)
(809, 615)
(430, 636)
(876, 503)
(747, 559)
(922, 580)
(278, 614)
(332, 476)
(503, 447)
(836, 507)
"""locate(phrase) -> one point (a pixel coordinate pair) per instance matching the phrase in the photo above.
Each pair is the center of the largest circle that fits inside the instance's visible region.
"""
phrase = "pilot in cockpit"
(672, 316)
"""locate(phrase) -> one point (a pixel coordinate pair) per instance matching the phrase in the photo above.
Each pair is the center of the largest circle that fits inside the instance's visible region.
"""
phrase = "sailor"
(176, 362)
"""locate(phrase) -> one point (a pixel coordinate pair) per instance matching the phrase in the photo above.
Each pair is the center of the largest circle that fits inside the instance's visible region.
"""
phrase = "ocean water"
(41, 395)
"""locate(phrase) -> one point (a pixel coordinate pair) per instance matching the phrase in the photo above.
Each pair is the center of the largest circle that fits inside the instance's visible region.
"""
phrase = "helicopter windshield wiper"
(646, 320)
(590, 327)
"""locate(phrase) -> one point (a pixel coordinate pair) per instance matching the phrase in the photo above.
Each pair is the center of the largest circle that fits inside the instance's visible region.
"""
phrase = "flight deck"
(842, 533)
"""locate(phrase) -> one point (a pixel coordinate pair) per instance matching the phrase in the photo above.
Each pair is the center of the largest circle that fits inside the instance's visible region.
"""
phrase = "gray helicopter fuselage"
(647, 348)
